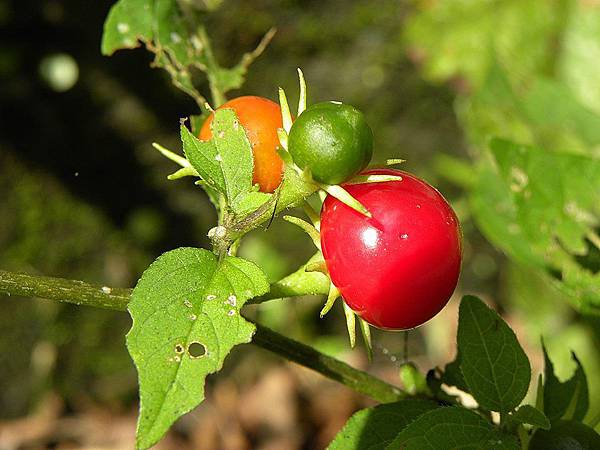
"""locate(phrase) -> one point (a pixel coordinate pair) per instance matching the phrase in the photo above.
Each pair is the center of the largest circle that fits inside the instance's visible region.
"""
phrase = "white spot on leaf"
(122, 28)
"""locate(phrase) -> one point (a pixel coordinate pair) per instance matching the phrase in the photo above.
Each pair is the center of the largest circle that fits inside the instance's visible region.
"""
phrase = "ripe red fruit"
(260, 118)
(399, 268)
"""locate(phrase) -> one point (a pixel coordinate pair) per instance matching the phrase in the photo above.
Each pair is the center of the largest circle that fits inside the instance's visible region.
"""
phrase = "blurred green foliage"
(83, 194)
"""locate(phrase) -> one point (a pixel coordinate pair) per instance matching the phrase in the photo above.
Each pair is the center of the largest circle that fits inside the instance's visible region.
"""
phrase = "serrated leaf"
(185, 303)
(225, 162)
(450, 428)
(202, 155)
(558, 396)
(374, 428)
(493, 364)
(531, 416)
(543, 221)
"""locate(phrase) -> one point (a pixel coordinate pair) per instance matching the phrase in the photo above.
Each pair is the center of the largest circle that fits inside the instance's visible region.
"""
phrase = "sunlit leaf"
(543, 209)
(186, 319)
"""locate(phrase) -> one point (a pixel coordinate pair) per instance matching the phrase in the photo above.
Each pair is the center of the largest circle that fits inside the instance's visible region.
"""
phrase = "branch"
(297, 284)
(80, 293)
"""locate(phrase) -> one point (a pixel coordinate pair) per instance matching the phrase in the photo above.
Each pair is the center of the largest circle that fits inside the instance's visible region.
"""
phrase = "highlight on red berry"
(399, 268)
(260, 118)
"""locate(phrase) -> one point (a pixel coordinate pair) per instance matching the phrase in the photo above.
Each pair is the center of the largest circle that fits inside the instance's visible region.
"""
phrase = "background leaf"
(558, 396)
(452, 427)
(374, 428)
(492, 362)
(185, 312)
(542, 209)
(475, 34)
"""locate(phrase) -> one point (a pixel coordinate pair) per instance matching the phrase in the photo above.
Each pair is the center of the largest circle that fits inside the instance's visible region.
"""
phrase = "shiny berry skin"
(260, 118)
(331, 140)
(399, 268)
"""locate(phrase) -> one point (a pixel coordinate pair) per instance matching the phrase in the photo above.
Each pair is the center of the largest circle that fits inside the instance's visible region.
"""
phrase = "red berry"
(399, 268)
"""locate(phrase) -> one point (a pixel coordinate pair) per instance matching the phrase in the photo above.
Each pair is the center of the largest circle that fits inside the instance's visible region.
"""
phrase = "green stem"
(330, 367)
(296, 284)
(212, 69)
(286, 198)
(63, 290)
(80, 293)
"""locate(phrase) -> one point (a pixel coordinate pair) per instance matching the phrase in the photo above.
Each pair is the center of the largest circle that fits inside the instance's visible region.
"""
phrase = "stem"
(296, 284)
(81, 293)
(287, 198)
(212, 68)
(63, 290)
(330, 367)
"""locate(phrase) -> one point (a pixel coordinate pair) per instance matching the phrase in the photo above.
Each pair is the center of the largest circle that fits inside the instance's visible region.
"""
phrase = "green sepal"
(332, 296)
(350, 324)
(308, 228)
(366, 333)
(344, 196)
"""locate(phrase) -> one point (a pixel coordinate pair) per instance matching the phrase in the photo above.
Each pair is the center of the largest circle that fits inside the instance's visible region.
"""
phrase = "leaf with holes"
(452, 427)
(186, 319)
(493, 364)
(374, 428)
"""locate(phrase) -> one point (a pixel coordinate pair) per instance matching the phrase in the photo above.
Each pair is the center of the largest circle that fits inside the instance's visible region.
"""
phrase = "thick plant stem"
(297, 284)
(81, 293)
(330, 367)
(63, 290)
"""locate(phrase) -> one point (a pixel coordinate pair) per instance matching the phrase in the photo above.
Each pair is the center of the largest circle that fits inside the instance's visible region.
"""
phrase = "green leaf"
(493, 364)
(452, 375)
(565, 435)
(451, 428)
(186, 319)
(374, 428)
(543, 112)
(461, 39)
(225, 162)
(558, 396)
(580, 52)
(159, 25)
(154, 22)
(532, 416)
(539, 207)
(202, 155)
